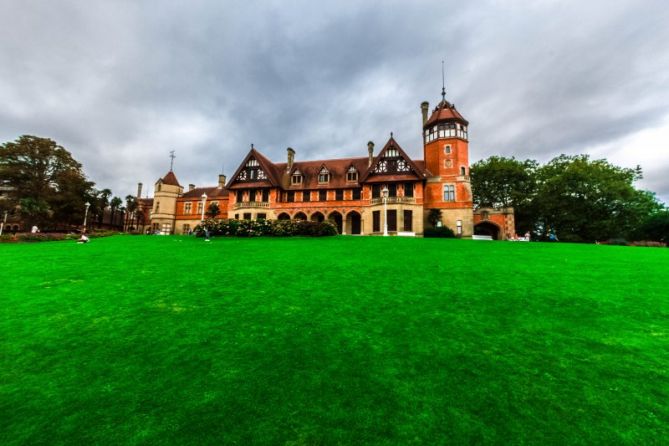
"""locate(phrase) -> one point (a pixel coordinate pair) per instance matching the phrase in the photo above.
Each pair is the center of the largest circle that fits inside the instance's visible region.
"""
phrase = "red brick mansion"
(383, 191)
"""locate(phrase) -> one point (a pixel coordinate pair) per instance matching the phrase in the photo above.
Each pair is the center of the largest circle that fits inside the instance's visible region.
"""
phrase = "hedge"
(257, 228)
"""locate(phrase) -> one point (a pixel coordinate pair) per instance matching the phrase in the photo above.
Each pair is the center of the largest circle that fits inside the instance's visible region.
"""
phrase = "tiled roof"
(279, 176)
(310, 170)
(445, 111)
(212, 192)
(170, 179)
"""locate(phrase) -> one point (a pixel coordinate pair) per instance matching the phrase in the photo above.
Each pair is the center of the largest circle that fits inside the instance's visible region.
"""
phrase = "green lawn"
(391, 341)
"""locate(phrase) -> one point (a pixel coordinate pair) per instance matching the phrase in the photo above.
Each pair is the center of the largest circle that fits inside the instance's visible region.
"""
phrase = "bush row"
(256, 228)
(443, 231)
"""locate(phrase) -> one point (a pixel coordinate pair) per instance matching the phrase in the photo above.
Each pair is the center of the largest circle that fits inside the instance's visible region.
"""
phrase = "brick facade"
(348, 191)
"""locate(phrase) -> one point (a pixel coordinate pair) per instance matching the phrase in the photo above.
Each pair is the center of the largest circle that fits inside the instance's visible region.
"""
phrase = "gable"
(254, 171)
(392, 161)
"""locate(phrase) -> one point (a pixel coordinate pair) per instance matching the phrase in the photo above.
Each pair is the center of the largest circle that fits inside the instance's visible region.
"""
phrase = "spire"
(443, 83)
(172, 156)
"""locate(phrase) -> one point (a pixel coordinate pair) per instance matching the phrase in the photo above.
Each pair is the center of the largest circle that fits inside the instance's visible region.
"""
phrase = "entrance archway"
(300, 216)
(353, 223)
(337, 219)
(317, 216)
(283, 216)
(487, 228)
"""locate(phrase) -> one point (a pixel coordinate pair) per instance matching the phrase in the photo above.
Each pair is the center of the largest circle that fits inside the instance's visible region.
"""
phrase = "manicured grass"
(391, 341)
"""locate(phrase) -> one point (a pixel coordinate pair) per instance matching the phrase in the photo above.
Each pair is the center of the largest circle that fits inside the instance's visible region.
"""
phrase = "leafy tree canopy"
(213, 210)
(578, 198)
(44, 180)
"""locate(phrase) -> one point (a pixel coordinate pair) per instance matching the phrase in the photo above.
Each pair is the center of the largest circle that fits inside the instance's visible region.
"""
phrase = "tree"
(507, 182)
(45, 181)
(114, 205)
(131, 207)
(655, 227)
(102, 201)
(434, 217)
(502, 182)
(587, 200)
(213, 210)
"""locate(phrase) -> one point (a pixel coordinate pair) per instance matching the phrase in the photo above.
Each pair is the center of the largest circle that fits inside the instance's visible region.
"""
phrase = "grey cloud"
(121, 84)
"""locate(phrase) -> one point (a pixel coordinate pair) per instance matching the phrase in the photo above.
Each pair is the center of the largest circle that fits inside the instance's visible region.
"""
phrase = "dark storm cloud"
(120, 84)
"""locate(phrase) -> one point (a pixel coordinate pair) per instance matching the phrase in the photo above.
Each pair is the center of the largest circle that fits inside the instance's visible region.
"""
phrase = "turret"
(446, 151)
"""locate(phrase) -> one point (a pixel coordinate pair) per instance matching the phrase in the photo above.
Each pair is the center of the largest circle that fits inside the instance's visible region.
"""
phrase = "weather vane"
(443, 82)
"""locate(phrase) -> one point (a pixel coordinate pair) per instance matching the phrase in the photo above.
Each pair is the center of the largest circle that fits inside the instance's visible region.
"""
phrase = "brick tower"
(446, 152)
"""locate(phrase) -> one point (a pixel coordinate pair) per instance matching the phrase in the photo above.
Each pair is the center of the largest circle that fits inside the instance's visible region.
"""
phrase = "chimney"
(139, 190)
(191, 187)
(370, 149)
(291, 158)
(221, 181)
(424, 107)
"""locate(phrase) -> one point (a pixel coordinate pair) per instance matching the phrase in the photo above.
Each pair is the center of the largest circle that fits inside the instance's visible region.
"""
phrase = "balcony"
(394, 200)
(251, 204)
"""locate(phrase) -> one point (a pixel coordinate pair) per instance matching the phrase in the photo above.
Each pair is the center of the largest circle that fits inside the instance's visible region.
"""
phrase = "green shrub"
(257, 228)
(444, 232)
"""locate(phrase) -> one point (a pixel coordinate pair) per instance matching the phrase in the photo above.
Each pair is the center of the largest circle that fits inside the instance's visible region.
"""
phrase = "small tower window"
(463, 171)
(449, 192)
(447, 149)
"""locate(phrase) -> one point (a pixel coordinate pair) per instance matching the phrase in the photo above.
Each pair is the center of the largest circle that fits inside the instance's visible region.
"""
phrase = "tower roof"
(444, 112)
(170, 179)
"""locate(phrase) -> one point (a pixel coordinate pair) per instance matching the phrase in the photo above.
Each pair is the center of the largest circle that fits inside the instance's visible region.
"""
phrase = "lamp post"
(4, 220)
(204, 202)
(87, 204)
(384, 194)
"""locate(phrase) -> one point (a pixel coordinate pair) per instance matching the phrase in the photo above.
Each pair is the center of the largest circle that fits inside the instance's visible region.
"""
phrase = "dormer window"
(352, 174)
(324, 176)
(296, 178)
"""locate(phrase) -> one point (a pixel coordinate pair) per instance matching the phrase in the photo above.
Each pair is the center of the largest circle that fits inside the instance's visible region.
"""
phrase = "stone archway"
(338, 220)
(353, 223)
(487, 228)
(317, 216)
(283, 216)
(300, 216)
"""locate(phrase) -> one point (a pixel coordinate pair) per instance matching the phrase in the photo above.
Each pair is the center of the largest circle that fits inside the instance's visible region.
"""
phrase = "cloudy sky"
(121, 83)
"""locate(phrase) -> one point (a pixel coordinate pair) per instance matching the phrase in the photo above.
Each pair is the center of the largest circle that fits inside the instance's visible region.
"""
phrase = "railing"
(251, 204)
(394, 200)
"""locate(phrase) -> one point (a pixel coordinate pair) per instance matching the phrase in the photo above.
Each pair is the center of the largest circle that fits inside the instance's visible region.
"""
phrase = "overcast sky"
(121, 83)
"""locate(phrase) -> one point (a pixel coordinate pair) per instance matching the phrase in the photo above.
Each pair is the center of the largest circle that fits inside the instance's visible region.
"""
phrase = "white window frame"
(449, 192)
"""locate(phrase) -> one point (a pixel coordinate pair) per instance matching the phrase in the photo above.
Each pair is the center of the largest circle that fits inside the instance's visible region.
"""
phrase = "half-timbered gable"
(393, 164)
(255, 171)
